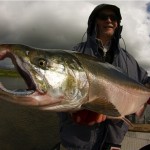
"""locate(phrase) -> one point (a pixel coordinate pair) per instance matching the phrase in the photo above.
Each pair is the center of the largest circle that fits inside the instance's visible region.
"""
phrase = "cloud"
(61, 24)
(43, 24)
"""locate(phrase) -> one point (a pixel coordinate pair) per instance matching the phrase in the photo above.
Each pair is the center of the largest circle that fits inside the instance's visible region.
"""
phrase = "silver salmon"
(62, 80)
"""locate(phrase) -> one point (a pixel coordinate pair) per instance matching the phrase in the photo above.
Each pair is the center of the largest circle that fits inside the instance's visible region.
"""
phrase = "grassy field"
(8, 73)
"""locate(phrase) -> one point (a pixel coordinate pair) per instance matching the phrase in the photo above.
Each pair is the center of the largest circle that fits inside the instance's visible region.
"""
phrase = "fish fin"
(127, 121)
(102, 107)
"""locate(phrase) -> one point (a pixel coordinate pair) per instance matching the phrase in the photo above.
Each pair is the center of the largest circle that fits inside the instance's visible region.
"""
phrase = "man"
(86, 130)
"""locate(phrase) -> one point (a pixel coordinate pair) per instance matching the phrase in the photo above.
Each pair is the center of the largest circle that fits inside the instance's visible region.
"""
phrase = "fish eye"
(42, 63)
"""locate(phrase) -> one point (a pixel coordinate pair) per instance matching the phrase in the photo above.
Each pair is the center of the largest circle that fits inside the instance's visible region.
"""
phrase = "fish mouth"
(19, 71)
(31, 95)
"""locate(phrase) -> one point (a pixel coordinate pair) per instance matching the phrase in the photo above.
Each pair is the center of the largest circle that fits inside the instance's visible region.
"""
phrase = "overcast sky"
(61, 24)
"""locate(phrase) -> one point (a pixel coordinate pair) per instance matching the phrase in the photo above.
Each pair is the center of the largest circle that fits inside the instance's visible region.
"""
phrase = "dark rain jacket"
(79, 137)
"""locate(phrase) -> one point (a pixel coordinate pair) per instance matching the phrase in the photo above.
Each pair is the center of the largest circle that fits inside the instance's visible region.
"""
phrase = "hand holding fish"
(87, 117)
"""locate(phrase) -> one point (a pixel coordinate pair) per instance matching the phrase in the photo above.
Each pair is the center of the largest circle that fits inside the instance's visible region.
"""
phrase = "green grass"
(8, 73)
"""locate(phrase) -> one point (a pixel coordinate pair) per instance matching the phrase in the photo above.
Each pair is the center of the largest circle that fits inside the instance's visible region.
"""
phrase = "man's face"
(106, 23)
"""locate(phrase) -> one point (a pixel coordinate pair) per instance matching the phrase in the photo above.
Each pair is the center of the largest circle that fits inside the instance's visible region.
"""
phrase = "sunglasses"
(104, 17)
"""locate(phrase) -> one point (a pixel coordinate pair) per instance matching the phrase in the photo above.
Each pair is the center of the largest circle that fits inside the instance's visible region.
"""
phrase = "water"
(25, 128)
(13, 83)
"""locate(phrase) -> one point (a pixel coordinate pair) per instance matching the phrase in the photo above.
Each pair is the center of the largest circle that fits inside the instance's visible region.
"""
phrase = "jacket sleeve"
(132, 68)
(116, 130)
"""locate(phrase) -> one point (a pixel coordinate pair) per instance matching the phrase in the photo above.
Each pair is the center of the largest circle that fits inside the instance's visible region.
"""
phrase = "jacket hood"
(93, 15)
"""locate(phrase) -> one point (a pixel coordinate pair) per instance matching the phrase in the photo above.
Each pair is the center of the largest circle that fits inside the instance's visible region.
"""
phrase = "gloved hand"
(87, 117)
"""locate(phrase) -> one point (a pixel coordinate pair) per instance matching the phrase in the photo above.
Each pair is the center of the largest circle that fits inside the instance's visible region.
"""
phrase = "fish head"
(55, 78)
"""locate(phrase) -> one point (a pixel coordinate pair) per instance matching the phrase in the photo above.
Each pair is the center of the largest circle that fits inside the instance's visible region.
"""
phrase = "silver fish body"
(61, 80)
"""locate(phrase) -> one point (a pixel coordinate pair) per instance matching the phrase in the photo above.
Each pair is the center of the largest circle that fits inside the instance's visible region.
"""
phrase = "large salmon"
(61, 80)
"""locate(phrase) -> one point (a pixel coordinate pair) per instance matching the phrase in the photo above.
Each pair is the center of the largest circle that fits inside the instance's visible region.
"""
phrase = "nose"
(109, 19)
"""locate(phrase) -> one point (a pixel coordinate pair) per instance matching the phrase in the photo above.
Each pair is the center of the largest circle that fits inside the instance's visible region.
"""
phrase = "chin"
(109, 34)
